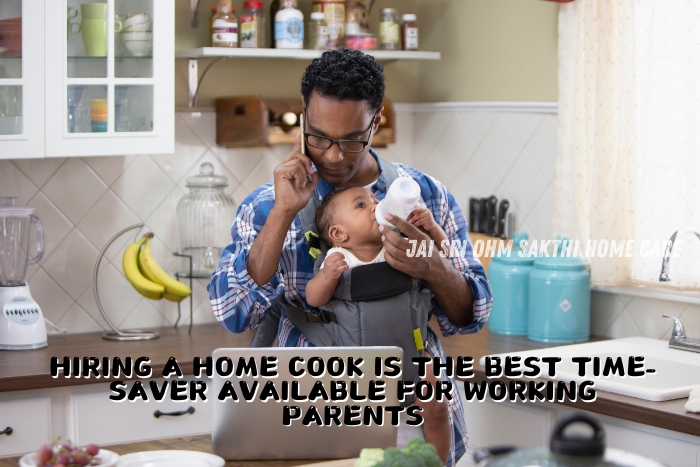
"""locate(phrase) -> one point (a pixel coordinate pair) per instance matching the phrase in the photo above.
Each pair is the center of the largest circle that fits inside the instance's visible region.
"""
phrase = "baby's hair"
(324, 216)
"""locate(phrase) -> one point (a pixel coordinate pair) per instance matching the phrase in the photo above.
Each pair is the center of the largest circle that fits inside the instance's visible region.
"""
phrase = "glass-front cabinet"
(21, 79)
(105, 80)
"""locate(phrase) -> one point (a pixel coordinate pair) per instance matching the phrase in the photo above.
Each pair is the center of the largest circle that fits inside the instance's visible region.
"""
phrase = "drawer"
(30, 420)
(97, 419)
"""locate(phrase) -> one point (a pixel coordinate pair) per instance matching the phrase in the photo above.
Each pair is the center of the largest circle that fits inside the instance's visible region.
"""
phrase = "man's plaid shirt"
(239, 304)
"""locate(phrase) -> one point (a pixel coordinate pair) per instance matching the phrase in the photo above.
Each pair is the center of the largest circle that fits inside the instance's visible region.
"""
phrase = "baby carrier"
(372, 305)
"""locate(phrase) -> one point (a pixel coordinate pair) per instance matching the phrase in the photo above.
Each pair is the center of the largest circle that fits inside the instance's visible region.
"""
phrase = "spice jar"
(224, 26)
(204, 217)
(356, 18)
(389, 37)
(253, 25)
(318, 31)
(335, 18)
(409, 33)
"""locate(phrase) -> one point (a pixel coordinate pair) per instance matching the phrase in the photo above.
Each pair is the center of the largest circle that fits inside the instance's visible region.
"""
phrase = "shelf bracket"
(194, 80)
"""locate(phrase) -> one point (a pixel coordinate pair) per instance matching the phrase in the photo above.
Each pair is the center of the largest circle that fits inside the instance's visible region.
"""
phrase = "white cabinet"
(97, 419)
(95, 80)
(30, 421)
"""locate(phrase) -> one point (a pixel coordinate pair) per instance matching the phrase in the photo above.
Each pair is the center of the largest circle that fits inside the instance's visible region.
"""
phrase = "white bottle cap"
(405, 190)
(409, 17)
(318, 15)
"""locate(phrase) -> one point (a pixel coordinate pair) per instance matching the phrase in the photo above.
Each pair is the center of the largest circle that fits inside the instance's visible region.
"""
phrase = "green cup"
(93, 11)
(94, 33)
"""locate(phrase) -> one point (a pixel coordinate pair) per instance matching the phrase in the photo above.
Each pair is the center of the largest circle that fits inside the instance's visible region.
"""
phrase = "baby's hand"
(334, 265)
(422, 218)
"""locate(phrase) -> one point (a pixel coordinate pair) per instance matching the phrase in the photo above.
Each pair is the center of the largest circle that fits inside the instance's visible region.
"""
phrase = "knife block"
(244, 121)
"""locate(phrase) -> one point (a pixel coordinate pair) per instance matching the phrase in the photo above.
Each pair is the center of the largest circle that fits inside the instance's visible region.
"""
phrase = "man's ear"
(303, 105)
(337, 234)
(377, 119)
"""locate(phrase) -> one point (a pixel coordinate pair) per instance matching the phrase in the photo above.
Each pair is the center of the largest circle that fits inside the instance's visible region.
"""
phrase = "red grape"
(92, 449)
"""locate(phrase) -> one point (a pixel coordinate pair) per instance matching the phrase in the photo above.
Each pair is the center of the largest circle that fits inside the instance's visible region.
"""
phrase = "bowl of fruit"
(67, 454)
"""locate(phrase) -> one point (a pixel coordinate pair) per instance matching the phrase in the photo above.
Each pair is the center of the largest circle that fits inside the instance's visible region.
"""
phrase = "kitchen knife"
(474, 214)
(492, 227)
(484, 216)
(510, 225)
(501, 219)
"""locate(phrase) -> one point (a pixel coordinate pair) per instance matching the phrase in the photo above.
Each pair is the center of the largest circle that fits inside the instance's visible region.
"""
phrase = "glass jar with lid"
(204, 217)
(389, 36)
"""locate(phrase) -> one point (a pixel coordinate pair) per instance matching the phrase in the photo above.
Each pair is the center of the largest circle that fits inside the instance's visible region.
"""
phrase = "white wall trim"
(527, 107)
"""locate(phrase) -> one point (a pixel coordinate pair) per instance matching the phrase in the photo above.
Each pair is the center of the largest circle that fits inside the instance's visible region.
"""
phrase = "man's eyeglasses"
(345, 145)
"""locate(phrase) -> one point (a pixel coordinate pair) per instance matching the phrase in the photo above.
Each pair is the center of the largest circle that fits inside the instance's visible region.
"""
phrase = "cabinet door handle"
(7, 431)
(158, 413)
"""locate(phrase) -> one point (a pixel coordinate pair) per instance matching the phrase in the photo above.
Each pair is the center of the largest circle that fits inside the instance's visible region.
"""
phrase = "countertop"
(22, 370)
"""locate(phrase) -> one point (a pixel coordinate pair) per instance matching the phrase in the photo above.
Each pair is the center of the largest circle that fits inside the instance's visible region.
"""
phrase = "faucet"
(663, 277)
(678, 338)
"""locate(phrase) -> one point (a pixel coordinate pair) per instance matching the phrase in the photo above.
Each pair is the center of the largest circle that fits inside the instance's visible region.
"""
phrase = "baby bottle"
(401, 198)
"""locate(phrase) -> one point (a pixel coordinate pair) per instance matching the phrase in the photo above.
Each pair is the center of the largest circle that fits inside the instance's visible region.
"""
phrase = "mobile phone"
(302, 129)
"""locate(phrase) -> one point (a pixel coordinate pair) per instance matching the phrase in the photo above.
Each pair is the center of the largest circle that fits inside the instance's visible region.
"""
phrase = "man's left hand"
(396, 248)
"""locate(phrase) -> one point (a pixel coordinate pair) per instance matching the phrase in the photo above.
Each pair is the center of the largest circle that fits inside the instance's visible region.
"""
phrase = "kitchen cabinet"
(84, 90)
(85, 414)
(30, 421)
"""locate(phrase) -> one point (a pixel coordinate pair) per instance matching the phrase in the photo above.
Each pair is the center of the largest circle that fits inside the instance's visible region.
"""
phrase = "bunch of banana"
(145, 274)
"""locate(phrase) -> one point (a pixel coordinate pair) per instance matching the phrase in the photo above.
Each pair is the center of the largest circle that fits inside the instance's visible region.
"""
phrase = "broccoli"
(417, 453)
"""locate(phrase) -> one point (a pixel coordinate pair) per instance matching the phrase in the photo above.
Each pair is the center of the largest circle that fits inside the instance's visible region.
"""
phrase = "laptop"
(255, 430)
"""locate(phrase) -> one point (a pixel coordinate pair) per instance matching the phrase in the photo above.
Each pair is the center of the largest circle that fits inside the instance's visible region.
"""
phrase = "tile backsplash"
(84, 201)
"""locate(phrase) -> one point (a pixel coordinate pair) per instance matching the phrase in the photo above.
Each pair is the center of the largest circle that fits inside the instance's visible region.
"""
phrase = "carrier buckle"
(316, 315)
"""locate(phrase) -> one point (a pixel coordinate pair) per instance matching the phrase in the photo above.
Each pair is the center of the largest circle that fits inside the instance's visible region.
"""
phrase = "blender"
(22, 324)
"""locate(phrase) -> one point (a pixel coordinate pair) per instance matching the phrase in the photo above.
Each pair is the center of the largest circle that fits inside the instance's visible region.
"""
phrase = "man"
(269, 258)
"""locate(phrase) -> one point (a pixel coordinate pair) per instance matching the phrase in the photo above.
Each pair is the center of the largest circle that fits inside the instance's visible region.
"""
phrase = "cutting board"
(338, 463)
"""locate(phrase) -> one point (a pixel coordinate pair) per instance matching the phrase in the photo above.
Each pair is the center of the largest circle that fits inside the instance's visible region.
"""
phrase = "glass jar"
(389, 36)
(318, 31)
(204, 217)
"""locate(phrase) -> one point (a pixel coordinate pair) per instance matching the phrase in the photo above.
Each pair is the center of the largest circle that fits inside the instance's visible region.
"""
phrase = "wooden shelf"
(297, 54)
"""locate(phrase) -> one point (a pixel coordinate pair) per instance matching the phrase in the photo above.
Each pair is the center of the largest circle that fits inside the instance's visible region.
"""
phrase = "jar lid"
(515, 256)
(409, 17)
(207, 177)
(561, 262)
(15, 211)
(389, 10)
(252, 5)
(318, 15)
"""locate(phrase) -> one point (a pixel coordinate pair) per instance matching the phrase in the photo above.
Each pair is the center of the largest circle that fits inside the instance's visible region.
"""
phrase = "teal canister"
(560, 300)
(509, 275)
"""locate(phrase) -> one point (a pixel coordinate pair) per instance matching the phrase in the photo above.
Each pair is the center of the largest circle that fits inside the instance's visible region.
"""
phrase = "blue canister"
(509, 275)
(560, 300)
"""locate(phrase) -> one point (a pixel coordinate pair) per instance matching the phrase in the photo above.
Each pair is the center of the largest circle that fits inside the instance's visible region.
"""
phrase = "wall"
(492, 50)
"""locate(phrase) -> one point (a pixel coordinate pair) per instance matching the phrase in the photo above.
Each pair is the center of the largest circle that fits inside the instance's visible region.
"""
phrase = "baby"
(346, 222)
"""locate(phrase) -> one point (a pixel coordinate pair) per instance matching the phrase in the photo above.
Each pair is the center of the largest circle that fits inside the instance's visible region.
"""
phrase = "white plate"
(170, 459)
(107, 459)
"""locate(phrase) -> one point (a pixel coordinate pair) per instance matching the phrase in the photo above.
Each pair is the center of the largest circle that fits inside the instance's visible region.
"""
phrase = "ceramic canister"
(560, 300)
(509, 275)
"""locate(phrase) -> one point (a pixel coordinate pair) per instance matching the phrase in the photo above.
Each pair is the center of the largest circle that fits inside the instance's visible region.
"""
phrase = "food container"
(560, 300)
(204, 218)
(361, 42)
(565, 449)
(509, 275)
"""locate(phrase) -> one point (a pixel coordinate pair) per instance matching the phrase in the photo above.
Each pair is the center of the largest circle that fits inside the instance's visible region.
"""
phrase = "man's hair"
(324, 216)
(345, 74)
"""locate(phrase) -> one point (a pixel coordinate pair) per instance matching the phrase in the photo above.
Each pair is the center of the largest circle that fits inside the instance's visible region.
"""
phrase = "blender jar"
(20, 229)
(204, 218)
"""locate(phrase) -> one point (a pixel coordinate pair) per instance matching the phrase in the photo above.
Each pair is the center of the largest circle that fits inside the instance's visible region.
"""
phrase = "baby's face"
(354, 212)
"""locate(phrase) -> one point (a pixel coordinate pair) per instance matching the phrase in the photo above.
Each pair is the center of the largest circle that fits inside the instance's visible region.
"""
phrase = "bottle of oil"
(224, 26)
(274, 8)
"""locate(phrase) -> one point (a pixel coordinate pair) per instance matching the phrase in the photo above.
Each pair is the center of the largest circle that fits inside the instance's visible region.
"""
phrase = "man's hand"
(396, 247)
(295, 180)
(334, 266)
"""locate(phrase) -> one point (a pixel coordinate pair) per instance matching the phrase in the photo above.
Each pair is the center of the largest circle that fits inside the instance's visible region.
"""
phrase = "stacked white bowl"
(137, 34)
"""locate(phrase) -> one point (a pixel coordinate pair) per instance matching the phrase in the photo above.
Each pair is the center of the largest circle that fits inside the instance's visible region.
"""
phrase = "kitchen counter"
(190, 443)
(31, 369)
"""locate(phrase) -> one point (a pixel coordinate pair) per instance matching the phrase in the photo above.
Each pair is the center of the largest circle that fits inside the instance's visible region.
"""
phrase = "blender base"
(130, 335)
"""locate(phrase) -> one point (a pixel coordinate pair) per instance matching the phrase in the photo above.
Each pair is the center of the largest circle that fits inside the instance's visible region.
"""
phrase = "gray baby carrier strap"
(372, 305)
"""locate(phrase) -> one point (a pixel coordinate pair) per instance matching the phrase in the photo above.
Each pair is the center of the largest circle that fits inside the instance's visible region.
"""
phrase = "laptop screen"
(304, 402)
